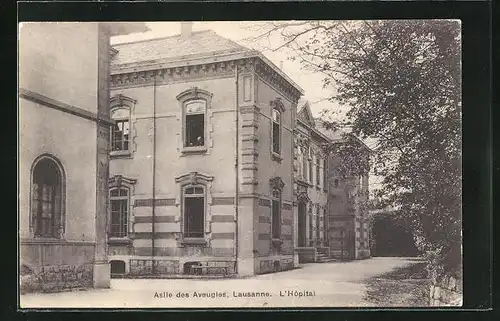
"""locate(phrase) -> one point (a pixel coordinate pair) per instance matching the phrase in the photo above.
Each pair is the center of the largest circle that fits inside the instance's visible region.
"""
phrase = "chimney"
(186, 29)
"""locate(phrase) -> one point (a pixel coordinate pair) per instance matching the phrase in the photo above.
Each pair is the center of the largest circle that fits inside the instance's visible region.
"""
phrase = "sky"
(240, 32)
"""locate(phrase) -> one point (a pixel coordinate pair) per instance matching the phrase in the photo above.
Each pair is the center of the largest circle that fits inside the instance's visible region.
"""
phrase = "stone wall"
(54, 278)
(447, 292)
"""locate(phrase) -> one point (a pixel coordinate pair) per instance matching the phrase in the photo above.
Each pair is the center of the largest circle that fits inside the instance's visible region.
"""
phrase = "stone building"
(311, 188)
(348, 226)
(63, 143)
(201, 170)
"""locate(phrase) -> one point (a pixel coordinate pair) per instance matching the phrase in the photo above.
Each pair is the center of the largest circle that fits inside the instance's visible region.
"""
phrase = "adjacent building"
(311, 188)
(348, 194)
(64, 151)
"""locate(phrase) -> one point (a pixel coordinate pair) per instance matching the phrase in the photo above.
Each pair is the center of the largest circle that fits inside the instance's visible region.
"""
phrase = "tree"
(401, 82)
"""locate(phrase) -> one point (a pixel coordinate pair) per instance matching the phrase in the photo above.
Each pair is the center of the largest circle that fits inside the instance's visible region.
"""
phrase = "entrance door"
(302, 225)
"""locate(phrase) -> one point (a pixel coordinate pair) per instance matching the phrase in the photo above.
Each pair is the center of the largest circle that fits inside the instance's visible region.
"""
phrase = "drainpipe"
(153, 269)
(236, 167)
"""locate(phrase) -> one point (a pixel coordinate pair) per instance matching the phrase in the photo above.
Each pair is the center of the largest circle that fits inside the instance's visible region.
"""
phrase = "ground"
(363, 283)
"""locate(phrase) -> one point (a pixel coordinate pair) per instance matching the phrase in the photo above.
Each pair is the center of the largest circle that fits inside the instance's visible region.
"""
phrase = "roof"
(204, 43)
(179, 50)
(304, 113)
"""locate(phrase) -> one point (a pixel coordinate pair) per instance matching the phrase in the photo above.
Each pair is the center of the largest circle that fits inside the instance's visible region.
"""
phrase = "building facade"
(348, 225)
(63, 142)
(311, 188)
(201, 171)
(215, 166)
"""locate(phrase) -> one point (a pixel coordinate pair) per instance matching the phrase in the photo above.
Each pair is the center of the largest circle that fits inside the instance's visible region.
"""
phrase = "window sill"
(194, 150)
(120, 154)
(115, 240)
(193, 241)
(276, 157)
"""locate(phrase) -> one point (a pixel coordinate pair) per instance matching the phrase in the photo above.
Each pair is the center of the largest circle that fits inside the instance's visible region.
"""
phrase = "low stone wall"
(447, 292)
(270, 266)
(55, 278)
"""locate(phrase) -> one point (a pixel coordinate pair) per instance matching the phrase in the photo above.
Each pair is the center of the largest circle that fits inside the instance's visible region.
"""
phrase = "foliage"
(401, 83)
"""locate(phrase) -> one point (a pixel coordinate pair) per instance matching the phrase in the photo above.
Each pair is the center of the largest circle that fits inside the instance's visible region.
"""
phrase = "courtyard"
(335, 284)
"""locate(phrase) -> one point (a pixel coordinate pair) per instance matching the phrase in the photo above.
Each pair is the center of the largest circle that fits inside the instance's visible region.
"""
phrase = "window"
(325, 225)
(317, 222)
(276, 214)
(194, 211)
(120, 133)
(336, 182)
(119, 199)
(194, 135)
(318, 177)
(304, 163)
(311, 226)
(47, 198)
(276, 135)
(299, 161)
(310, 167)
(325, 174)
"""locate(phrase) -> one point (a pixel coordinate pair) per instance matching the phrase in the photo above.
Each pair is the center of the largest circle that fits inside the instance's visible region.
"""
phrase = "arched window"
(304, 163)
(276, 131)
(276, 214)
(311, 160)
(47, 197)
(318, 165)
(194, 211)
(318, 227)
(325, 173)
(119, 199)
(120, 135)
(121, 132)
(195, 113)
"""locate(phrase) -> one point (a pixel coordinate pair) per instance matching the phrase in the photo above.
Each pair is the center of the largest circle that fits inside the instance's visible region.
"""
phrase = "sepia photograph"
(240, 164)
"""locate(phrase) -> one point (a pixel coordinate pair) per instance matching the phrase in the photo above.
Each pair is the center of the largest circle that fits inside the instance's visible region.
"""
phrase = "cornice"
(164, 75)
(266, 72)
(182, 70)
